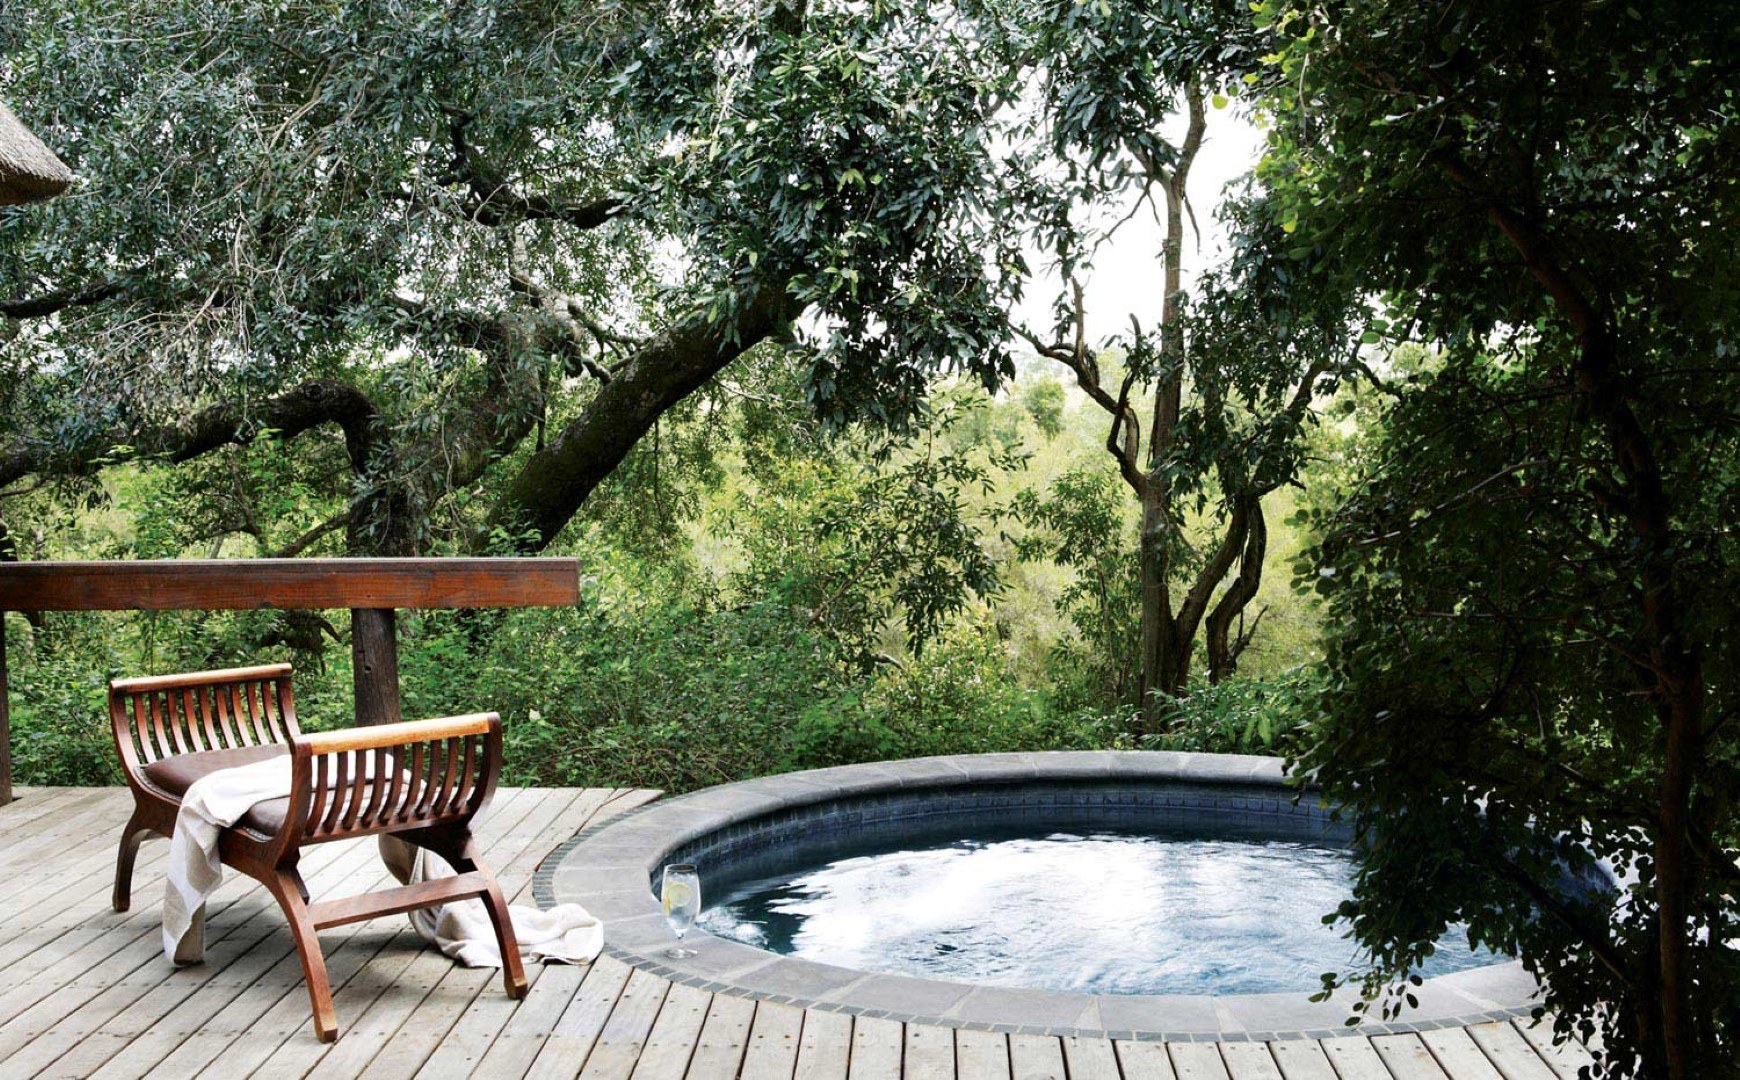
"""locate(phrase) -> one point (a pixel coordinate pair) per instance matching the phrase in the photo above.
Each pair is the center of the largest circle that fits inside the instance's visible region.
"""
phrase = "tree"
(1531, 577)
(486, 245)
(1206, 419)
(1044, 400)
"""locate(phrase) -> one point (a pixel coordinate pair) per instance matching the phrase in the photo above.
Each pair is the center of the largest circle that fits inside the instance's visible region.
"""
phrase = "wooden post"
(374, 652)
(5, 720)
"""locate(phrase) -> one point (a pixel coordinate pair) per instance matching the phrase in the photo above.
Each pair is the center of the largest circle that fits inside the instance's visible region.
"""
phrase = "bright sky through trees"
(1126, 275)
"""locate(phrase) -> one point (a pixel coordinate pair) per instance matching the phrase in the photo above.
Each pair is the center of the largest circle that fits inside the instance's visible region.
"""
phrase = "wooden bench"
(373, 590)
(423, 781)
(439, 772)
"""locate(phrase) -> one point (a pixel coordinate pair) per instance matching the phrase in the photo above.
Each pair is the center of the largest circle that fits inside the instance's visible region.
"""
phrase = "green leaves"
(1512, 184)
(851, 160)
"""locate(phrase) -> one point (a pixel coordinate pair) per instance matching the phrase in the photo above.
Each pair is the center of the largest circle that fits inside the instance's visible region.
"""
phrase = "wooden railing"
(373, 590)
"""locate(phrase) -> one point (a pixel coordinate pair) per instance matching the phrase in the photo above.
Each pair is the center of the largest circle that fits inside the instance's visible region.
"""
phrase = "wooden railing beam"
(310, 584)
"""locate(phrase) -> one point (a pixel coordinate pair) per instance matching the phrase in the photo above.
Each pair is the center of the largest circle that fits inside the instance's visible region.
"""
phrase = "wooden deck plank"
(524, 1034)
(28, 804)
(1145, 1061)
(66, 916)
(825, 1047)
(773, 1042)
(169, 1021)
(671, 1043)
(156, 992)
(1510, 1053)
(1250, 1061)
(459, 1005)
(719, 1055)
(78, 906)
(1355, 1059)
(1302, 1059)
(1090, 1059)
(570, 1043)
(1407, 1057)
(1036, 1057)
(129, 948)
(930, 1053)
(78, 820)
(1565, 1059)
(1458, 1055)
(1197, 1061)
(625, 1030)
(559, 816)
(877, 1047)
(982, 1055)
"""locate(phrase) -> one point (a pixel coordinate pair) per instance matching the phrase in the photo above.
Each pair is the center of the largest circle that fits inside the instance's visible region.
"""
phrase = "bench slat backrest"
(159, 716)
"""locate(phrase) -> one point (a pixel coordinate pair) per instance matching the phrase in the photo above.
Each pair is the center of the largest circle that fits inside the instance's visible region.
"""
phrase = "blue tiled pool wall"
(819, 832)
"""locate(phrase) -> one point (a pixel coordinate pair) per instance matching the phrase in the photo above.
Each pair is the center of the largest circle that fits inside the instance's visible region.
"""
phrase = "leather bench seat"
(174, 775)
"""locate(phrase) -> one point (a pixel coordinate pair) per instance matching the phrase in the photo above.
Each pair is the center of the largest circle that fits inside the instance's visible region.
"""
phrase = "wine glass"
(681, 896)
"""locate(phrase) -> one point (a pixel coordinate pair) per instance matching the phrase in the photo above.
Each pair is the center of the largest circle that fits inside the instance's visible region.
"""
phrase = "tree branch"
(550, 487)
(297, 410)
(493, 201)
(308, 405)
(36, 307)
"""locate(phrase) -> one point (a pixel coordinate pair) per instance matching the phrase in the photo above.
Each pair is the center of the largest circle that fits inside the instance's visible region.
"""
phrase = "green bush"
(958, 697)
(60, 734)
(1242, 716)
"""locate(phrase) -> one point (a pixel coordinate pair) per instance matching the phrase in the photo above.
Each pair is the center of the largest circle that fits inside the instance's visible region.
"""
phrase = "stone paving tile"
(918, 998)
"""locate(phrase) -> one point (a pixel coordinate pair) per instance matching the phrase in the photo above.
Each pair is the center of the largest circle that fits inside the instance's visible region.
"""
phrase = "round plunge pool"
(1168, 909)
(1136, 894)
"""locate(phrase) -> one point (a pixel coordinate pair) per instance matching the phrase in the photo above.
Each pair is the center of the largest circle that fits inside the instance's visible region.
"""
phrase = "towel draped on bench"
(216, 801)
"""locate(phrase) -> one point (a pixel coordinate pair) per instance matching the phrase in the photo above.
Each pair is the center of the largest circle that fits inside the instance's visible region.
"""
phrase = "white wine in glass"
(681, 896)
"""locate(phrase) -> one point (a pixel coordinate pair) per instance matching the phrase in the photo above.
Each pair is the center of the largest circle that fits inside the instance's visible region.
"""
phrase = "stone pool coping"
(608, 869)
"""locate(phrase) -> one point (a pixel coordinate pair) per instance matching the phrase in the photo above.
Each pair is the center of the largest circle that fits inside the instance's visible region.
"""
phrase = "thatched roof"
(28, 169)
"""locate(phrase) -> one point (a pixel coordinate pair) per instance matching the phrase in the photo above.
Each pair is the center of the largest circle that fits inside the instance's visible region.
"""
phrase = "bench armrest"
(404, 733)
(392, 777)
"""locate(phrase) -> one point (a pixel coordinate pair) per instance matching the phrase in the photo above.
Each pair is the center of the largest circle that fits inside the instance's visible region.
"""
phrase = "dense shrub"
(1242, 716)
(958, 697)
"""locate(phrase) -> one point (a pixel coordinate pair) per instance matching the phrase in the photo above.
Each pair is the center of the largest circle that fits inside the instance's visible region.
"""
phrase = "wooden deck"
(86, 992)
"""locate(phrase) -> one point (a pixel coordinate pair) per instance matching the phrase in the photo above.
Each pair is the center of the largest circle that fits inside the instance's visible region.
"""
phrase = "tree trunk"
(1674, 673)
(1223, 649)
(549, 489)
(1162, 675)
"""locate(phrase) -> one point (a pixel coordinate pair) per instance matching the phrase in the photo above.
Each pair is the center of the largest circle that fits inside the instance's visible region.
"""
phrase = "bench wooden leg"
(461, 853)
(287, 887)
(513, 972)
(130, 839)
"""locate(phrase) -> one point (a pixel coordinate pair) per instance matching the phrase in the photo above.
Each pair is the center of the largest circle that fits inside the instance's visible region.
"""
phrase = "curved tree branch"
(492, 201)
(36, 307)
(299, 409)
(305, 406)
(552, 484)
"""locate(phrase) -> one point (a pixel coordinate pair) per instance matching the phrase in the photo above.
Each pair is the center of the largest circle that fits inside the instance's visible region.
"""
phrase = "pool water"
(1101, 913)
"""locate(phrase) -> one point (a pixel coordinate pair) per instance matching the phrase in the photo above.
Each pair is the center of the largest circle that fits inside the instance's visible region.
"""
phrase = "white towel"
(563, 934)
(462, 931)
(212, 804)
